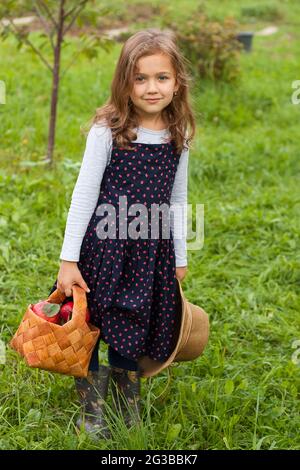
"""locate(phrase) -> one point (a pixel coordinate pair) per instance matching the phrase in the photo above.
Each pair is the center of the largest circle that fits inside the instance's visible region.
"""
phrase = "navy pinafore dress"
(133, 281)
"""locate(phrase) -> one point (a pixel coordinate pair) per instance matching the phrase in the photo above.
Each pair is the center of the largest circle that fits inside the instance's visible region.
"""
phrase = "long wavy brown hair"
(119, 113)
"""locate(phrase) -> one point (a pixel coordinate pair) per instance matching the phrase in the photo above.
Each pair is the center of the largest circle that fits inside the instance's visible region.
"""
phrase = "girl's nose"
(152, 87)
(152, 92)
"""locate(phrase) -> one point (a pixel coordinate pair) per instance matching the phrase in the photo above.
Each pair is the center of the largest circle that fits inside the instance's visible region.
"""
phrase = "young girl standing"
(137, 152)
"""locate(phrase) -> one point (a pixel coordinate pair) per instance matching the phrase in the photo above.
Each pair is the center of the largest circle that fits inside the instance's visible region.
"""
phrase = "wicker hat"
(192, 332)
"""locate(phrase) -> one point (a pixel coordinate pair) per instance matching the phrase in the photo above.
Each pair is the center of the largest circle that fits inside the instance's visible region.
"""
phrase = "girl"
(136, 153)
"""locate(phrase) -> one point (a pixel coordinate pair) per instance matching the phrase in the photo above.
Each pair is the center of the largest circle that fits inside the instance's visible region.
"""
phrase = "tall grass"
(243, 393)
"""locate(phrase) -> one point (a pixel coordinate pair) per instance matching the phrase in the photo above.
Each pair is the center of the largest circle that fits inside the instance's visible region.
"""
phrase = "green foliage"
(261, 11)
(243, 393)
(88, 17)
(15, 7)
(212, 47)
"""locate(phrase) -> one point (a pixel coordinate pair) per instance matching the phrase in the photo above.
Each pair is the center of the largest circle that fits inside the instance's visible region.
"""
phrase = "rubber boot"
(92, 391)
(126, 394)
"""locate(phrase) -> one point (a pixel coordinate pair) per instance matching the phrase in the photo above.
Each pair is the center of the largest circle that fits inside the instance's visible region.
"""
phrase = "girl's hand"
(68, 275)
(181, 272)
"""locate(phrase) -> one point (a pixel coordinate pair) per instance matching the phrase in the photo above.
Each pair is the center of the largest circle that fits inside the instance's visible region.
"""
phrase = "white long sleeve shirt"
(85, 195)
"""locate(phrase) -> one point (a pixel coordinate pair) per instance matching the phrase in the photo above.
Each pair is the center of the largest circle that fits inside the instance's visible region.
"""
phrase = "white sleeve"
(178, 209)
(86, 191)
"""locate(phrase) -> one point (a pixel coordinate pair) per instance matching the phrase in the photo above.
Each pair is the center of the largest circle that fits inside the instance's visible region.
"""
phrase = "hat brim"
(149, 367)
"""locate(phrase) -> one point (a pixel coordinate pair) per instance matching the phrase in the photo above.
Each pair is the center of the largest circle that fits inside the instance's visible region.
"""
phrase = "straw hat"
(192, 332)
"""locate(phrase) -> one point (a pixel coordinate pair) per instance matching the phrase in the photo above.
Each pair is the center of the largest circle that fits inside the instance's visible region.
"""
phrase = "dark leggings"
(114, 359)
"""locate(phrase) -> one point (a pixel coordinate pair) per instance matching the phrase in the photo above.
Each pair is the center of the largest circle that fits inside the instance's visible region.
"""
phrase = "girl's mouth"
(153, 101)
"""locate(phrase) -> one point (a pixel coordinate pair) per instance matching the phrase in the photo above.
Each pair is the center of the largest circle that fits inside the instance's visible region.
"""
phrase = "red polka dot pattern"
(132, 282)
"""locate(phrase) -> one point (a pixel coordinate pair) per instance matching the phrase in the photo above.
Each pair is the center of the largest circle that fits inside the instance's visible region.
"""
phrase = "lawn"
(243, 393)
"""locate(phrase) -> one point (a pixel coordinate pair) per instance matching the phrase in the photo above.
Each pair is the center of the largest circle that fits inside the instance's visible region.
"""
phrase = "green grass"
(243, 393)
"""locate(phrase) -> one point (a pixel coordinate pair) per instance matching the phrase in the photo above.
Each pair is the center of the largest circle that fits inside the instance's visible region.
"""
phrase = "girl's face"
(154, 79)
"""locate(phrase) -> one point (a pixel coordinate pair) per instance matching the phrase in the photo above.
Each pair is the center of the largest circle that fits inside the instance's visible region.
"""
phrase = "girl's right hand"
(68, 275)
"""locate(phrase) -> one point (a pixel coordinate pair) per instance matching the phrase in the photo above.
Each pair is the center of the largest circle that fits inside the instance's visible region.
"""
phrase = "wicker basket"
(65, 349)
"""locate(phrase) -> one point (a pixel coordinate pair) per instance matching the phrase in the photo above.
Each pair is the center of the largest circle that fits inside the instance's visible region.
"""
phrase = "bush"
(262, 12)
(211, 47)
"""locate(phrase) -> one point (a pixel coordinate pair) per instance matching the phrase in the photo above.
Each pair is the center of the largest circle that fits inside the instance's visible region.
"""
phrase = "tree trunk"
(55, 84)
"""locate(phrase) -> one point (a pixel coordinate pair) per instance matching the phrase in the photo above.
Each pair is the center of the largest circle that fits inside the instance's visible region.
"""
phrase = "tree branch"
(79, 8)
(68, 13)
(48, 30)
(73, 59)
(43, 5)
(29, 43)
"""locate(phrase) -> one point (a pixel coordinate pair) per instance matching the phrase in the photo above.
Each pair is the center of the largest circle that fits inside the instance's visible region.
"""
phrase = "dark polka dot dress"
(132, 280)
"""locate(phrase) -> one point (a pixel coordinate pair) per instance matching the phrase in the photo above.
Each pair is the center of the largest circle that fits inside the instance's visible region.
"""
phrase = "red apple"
(47, 311)
(88, 315)
(66, 311)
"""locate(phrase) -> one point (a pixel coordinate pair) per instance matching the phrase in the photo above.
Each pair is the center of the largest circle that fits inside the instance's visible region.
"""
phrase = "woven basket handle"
(79, 298)
(80, 303)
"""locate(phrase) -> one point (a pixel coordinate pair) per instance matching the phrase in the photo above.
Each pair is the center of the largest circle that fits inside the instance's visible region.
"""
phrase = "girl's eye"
(142, 78)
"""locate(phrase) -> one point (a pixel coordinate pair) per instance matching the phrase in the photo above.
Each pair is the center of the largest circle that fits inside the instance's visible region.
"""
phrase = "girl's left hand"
(181, 272)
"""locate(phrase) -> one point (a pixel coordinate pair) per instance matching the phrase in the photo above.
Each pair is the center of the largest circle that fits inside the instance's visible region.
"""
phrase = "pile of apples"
(56, 313)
